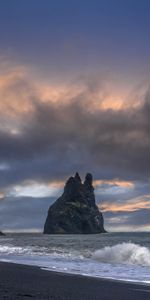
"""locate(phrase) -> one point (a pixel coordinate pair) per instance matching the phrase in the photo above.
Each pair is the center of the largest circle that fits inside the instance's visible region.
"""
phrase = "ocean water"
(121, 256)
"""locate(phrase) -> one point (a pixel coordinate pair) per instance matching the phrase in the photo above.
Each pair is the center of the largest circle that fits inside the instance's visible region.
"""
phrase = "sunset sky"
(74, 96)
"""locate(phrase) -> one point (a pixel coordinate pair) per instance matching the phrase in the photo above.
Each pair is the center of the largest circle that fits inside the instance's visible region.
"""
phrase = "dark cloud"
(134, 219)
(60, 139)
(120, 194)
(55, 140)
(24, 213)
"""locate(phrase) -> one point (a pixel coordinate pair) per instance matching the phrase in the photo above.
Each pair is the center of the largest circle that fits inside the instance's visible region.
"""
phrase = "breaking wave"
(125, 253)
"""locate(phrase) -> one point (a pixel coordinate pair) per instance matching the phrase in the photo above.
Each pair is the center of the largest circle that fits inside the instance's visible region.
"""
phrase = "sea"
(120, 256)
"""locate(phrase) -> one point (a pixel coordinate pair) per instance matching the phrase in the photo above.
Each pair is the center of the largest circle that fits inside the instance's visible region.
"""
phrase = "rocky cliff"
(75, 211)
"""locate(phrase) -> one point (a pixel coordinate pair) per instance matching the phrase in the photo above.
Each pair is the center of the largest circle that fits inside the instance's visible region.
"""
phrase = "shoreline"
(18, 281)
(79, 274)
(92, 277)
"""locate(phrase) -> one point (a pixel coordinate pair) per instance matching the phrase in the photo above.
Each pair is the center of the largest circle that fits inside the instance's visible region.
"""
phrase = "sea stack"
(75, 212)
(1, 233)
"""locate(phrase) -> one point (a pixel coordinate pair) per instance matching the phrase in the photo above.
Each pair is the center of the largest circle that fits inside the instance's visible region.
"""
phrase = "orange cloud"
(2, 195)
(114, 182)
(21, 90)
(15, 97)
(128, 206)
(19, 85)
(56, 184)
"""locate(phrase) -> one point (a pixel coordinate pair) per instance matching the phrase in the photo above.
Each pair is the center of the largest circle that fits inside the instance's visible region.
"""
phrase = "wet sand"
(26, 282)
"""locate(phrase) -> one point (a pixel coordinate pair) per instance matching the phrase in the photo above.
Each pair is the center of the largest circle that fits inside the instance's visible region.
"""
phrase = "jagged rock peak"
(70, 181)
(88, 178)
(75, 211)
(73, 181)
(77, 177)
(72, 184)
(89, 181)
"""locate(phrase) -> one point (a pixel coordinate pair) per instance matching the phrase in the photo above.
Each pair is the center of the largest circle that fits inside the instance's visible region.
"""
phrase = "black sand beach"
(26, 282)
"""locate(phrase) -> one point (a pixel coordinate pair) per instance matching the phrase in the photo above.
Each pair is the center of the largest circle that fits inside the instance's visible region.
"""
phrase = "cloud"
(136, 220)
(128, 206)
(49, 132)
(116, 141)
(71, 122)
(35, 190)
(24, 213)
(115, 182)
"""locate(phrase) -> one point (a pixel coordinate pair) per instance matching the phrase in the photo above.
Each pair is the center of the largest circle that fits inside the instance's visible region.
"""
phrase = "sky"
(74, 96)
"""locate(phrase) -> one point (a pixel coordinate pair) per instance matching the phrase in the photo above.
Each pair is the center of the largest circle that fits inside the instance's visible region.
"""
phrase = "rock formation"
(1, 233)
(75, 211)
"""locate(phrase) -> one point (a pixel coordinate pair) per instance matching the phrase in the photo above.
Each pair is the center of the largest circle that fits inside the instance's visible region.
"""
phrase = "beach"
(27, 282)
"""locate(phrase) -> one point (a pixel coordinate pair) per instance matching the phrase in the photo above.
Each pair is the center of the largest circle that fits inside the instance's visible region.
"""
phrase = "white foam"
(10, 249)
(124, 253)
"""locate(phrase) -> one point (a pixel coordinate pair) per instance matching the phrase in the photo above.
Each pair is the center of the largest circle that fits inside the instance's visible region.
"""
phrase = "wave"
(115, 262)
(124, 253)
(41, 251)
(13, 250)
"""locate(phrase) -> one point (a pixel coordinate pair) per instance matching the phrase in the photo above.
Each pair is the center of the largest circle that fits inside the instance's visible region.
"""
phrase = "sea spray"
(124, 253)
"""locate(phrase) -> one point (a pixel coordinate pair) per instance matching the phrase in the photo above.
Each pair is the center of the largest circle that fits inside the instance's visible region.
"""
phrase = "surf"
(124, 253)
